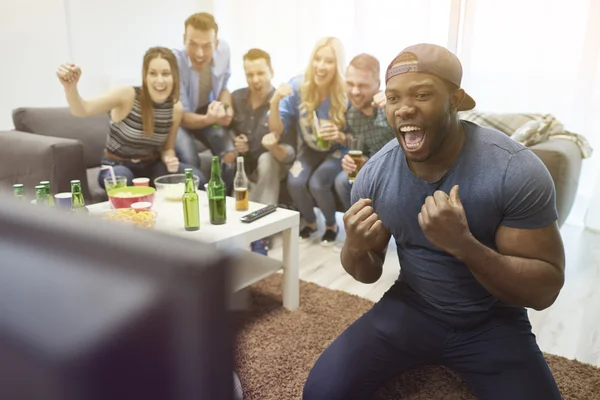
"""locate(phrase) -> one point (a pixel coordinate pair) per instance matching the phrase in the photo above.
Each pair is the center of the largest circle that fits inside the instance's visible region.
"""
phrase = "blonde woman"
(143, 120)
(315, 105)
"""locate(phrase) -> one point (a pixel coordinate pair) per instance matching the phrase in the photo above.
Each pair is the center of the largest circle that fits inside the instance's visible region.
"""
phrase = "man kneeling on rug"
(474, 218)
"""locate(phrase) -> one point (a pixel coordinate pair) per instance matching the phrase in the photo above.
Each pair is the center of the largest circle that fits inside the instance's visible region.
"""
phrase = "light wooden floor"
(570, 328)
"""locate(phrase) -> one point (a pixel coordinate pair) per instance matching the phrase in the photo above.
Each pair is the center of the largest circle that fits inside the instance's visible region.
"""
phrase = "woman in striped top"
(144, 120)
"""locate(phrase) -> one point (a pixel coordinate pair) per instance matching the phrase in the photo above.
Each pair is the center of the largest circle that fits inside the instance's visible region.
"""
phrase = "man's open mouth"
(414, 136)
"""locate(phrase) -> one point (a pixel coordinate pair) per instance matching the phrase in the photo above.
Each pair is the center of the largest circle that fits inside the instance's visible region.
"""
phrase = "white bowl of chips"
(140, 219)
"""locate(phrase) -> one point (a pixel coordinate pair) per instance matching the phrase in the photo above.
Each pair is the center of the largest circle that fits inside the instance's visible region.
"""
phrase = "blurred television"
(90, 310)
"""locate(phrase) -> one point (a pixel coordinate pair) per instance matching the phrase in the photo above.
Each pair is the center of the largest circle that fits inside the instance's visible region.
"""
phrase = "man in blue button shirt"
(204, 69)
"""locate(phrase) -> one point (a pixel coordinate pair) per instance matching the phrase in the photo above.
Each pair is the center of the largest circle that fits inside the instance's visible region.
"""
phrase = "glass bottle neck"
(189, 185)
(215, 172)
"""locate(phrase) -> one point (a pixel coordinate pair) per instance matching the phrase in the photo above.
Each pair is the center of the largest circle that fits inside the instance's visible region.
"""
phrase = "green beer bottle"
(322, 143)
(49, 198)
(40, 195)
(19, 191)
(216, 194)
(77, 200)
(191, 208)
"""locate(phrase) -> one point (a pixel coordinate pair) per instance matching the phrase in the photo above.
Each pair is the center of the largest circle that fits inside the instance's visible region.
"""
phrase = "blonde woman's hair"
(146, 104)
(309, 97)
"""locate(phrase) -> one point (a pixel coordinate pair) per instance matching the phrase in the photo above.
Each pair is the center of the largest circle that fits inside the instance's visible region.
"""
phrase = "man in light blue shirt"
(204, 70)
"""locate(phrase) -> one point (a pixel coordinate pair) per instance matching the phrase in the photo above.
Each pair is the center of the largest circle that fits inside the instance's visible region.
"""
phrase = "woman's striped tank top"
(127, 138)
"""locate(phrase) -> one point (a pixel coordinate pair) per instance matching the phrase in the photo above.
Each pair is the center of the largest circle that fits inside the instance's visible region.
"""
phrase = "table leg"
(291, 275)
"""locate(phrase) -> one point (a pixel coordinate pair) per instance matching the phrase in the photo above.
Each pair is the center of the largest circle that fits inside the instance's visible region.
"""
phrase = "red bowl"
(124, 197)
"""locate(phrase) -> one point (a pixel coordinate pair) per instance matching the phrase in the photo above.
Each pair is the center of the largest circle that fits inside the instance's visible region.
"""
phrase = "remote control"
(253, 216)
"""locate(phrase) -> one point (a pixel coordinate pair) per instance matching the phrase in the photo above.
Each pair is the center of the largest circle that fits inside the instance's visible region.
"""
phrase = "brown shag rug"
(277, 348)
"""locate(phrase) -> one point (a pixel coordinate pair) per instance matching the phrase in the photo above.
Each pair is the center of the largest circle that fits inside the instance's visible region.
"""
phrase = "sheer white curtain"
(539, 56)
(518, 56)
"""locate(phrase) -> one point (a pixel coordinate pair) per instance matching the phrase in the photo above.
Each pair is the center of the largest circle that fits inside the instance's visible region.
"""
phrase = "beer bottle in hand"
(49, 198)
(77, 200)
(216, 194)
(19, 191)
(240, 186)
(191, 208)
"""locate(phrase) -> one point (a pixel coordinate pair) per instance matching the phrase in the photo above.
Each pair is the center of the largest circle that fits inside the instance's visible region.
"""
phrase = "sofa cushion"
(97, 194)
(92, 132)
(29, 158)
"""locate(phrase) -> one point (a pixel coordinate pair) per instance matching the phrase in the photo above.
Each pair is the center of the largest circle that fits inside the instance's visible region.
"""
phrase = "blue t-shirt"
(289, 109)
(501, 182)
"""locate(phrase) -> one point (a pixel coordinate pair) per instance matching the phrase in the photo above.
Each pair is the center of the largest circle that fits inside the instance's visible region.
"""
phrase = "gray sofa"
(50, 143)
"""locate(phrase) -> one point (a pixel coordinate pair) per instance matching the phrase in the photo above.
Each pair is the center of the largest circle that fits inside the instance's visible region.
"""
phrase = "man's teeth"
(405, 129)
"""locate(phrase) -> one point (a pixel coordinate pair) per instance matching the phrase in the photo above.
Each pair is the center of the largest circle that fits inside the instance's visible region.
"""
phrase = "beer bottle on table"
(77, 200)
(49, 198)
(19, 191)
(41, 199)
(191, 207)
(240, 186)
(216, 194)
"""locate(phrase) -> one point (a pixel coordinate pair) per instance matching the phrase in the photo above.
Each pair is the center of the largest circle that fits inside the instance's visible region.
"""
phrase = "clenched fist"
(270, 140)
(443, 220)
(282, 91)
(172, 163)
(68, 74)
(241, 143)
(379, 100)
(364, 229)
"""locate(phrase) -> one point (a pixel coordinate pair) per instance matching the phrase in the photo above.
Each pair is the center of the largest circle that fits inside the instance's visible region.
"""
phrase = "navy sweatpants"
(496, 354)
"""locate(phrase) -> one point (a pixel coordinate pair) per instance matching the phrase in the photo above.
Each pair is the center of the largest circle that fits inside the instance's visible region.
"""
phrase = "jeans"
(265, 181)
(343, 187)
(310, 181)
(497, 356)
(217, 140)
(152, 170)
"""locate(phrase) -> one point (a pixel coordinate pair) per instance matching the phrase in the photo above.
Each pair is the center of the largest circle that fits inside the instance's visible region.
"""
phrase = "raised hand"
(270, 140)
(364, 229)
(379, 100)
(443, 220)
(68, 74)
(282, 91)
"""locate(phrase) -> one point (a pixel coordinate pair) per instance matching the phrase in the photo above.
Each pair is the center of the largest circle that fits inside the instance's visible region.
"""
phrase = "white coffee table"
(236, 236)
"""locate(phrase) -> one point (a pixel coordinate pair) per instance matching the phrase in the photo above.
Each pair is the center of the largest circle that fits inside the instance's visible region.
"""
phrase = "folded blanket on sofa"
(528, 129)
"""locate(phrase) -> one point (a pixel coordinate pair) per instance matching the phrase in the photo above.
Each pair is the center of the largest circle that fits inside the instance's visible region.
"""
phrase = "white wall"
(30, 54)
(107, 39)
(293, 28)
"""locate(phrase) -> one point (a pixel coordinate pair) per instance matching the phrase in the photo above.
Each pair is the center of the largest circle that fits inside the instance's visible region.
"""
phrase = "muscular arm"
(527, 271)
(366, 266)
